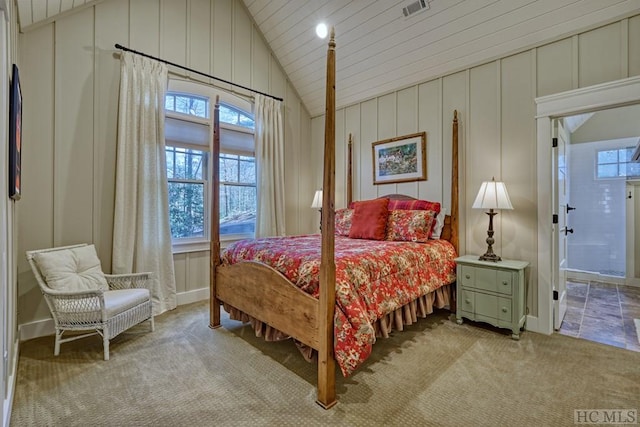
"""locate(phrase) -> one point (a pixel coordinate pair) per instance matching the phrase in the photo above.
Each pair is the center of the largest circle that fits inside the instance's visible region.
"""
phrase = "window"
(233, 116)
(186, 172)
(192, 105)
(237, 194)
(189, 133)
(616, 163)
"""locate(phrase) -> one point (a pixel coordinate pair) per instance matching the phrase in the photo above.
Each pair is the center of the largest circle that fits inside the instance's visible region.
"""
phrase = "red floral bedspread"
(373, 278)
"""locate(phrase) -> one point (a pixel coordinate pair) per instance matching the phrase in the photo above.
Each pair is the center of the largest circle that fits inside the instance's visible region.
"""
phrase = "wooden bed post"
(349, 171)
(454, 183)
(214, 303)
(326, 361)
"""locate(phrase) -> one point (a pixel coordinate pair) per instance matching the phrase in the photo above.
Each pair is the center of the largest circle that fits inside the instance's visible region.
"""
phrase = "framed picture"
(15, 135)
(400, 159)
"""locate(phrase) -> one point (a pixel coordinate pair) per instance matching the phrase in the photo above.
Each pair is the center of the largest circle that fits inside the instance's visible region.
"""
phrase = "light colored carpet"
(437, 373)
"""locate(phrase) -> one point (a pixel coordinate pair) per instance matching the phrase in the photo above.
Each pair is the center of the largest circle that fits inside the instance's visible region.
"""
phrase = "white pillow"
(74, 269)
(439, 225)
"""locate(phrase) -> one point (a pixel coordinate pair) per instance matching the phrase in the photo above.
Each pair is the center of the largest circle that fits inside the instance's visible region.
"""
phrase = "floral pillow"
(410, 226)
(343, 221)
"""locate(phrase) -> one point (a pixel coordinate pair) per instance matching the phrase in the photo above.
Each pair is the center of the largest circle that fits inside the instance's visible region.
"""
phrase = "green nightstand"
(491, 292)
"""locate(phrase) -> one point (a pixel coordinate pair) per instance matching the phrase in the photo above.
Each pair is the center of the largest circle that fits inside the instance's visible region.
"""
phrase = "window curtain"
(269, 137)
(141, 231)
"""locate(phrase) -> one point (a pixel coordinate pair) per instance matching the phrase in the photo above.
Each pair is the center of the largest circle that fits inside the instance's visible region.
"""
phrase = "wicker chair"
(82, 298)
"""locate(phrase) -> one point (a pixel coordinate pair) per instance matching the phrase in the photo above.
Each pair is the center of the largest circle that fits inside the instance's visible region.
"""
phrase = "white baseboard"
(533, 325)
(7, 405)
(193, 296)
(36, 329)
(585, 276)
(45, 327)
(632, 281)
(593, 276)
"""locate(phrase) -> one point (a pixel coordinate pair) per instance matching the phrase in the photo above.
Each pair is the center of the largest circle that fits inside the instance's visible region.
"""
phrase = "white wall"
(599, 232)
(71, 79)
(8, 227)
(614, 123)
(496, 102)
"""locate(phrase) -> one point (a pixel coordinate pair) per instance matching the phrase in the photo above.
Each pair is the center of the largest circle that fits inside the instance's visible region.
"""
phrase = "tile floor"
(604, 313)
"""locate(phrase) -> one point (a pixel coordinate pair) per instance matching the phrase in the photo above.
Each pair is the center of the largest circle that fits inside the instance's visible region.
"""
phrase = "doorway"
(599, 97)
(593, 197)
(599, 165)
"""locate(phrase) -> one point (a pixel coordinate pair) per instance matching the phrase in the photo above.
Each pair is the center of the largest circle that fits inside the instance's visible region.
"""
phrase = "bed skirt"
(396, 320)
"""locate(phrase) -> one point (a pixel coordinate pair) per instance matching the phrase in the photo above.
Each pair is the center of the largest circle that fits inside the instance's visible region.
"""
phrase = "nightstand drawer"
(467, 300)
(487, 279)
(504, 309)
(478, 278)
(504, 282)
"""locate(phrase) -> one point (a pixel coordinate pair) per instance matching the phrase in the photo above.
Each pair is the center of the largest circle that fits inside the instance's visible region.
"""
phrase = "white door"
(632, 196)
(561, 229)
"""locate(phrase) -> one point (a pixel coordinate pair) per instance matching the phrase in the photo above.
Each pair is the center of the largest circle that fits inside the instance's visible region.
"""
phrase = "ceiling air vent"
(414, 7)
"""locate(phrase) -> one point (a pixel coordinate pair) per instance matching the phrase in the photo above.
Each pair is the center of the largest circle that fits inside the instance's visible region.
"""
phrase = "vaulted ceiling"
(379, 50)
(37, 12)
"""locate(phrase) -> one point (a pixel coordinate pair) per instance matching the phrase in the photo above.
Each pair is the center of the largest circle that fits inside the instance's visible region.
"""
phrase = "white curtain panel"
(141, 231)
(269, 135)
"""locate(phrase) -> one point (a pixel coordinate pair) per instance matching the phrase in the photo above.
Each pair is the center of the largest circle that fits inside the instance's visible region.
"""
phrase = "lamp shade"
(317, 200)
(492, 195)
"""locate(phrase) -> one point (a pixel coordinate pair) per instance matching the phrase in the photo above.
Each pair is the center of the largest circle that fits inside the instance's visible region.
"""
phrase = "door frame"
(632, 273)
(560, 202)
(613, 94)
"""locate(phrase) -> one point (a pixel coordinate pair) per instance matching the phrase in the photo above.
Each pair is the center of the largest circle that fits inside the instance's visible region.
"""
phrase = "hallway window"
(616, 164)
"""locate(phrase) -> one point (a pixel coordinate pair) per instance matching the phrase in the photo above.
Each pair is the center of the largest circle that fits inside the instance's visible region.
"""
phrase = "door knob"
(569, 208)
(567, 230)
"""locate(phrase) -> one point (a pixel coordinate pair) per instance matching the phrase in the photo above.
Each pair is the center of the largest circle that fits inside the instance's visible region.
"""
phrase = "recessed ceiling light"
(321, 30)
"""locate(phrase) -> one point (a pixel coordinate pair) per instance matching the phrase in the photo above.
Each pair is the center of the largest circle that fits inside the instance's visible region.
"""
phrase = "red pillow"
(414, 205)
(370, 219)
(410, 205)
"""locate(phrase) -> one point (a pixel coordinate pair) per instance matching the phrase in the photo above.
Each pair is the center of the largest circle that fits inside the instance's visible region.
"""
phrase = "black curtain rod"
(126, 49)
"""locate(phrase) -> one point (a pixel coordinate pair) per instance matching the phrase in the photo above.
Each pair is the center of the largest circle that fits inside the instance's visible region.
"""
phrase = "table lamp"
(492, 195)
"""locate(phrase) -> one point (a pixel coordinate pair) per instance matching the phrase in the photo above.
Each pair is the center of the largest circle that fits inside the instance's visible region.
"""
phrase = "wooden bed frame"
(267, 295)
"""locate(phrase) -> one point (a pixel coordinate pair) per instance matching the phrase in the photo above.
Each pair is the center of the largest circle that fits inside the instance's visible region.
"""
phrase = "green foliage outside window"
(186, 171)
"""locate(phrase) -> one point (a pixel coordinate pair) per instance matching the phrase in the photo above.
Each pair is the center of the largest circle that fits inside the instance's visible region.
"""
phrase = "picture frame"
(15, 135)
(400, 159)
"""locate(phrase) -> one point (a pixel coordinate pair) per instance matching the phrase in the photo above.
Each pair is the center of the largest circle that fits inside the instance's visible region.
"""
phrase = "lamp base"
(490, 256)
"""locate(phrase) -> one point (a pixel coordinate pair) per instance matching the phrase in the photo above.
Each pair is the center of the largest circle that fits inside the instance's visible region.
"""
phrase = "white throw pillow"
(439, 225)
(75, 269)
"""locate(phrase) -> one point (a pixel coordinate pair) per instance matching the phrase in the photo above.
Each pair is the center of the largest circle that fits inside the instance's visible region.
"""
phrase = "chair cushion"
(121, 300)
(75, 269)
(115, 302)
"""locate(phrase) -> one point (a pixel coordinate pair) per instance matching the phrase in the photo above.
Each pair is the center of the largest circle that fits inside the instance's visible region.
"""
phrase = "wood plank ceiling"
(379, 50)
(34, 13)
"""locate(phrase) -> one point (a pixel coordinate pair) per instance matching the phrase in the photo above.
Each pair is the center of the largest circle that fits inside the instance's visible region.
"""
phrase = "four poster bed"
(347, 289)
